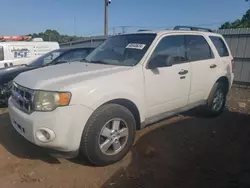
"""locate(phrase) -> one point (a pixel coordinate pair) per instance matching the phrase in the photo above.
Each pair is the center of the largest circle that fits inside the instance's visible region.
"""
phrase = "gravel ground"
(182, 152)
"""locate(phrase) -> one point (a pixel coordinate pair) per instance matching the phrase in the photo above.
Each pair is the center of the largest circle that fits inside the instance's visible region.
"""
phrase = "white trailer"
(23, 52)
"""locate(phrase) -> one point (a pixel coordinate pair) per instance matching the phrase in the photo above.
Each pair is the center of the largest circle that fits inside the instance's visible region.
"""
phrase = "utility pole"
(107, 2)
(123, 29)
(74, 25)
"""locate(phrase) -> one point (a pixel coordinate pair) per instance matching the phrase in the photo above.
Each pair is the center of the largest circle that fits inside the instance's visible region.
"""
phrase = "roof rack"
(193, 28)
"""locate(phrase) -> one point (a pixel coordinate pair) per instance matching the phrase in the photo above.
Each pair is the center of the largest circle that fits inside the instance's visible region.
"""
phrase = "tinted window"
(124, 50)
(220, 46)
(197, 48)
(90, 50)
(47, 58)
(78, 55)
(73, 55)
(64, 57)
(173, 47)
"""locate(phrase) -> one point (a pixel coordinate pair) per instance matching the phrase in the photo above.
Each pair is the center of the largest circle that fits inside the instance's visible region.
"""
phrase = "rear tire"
(108, 135)
(216, 100)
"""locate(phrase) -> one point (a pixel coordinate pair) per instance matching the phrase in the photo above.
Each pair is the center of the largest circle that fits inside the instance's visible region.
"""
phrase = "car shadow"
(18, 146)
(21, 148)
(192, 152)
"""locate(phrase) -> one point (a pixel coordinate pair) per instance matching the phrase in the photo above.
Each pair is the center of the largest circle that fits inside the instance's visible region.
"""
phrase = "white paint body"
(92, 85)
(34, 50)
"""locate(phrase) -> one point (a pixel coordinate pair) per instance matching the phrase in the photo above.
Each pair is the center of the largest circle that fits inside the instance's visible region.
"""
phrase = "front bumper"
(67, 124)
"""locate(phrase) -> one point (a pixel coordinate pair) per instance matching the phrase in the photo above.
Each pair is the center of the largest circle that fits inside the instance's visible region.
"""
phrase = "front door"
(168, 84)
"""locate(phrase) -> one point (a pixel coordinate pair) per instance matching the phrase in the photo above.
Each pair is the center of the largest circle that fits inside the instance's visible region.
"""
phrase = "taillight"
(232, 63)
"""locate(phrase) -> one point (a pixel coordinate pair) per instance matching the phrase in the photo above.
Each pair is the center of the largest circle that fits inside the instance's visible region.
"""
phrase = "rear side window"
(1, 54)
(197, 48)
(220, 46)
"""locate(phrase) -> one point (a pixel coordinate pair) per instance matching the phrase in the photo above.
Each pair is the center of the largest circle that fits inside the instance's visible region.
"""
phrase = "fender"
(222, 74)
(98, 96)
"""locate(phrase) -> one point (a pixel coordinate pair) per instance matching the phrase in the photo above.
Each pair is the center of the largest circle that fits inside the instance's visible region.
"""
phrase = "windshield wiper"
(99, 62)
(84, 60)
(96, 62)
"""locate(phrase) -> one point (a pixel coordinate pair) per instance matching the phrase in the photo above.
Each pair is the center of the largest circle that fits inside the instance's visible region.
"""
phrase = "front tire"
(108, 135)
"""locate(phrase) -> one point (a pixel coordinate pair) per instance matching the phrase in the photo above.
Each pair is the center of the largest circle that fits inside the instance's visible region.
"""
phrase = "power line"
(130, 28)
(167, 26)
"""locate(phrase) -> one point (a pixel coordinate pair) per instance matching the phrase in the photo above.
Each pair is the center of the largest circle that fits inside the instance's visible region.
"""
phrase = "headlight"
(48, 100)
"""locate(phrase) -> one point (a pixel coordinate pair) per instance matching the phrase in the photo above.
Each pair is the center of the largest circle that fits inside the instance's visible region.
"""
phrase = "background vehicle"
(128, 82)
(23, 52)
(58, 56)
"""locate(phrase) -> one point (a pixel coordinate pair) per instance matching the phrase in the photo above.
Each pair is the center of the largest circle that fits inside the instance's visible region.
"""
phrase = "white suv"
(96, 105)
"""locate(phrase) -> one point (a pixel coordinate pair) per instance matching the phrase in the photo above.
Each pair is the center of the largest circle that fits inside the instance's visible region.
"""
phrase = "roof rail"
(193, 28)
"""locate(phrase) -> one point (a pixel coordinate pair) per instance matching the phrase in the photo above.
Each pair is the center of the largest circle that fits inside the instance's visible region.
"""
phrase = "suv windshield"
(123, 50)
(47, 58)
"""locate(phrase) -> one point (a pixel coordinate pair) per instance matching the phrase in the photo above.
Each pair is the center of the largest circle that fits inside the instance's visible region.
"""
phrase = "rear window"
(220, 46)
(1, 54)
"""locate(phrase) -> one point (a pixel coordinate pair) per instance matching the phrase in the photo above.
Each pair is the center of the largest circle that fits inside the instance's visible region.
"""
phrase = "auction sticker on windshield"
(136, 46)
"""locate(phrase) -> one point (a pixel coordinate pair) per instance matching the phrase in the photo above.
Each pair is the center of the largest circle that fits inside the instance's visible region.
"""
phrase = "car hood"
(56, 77)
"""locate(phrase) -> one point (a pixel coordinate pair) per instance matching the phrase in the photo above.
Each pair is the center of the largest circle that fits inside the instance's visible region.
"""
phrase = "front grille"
(23, 97)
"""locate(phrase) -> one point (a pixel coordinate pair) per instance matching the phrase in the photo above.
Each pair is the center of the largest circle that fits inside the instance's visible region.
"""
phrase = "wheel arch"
(225, 81)
(131, 106)
(222, 79)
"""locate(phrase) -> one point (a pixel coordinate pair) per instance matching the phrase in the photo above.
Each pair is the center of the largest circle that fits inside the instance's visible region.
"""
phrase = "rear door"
(203, 65)
(221, 47)
(226, 58)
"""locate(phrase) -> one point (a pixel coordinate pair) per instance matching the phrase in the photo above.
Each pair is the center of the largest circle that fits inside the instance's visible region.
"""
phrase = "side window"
(48, 59)
(73, 55)
(171, 47)
(197, 48)
(220, 46)
(90, 50)
(78, 55)
(65, 57)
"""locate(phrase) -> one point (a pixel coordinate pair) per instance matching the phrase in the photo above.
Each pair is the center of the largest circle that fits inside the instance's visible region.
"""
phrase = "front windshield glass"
(47, 58)
(123, 50)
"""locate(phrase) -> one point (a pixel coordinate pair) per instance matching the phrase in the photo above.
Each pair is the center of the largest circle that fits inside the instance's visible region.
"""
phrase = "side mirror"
(160, 61)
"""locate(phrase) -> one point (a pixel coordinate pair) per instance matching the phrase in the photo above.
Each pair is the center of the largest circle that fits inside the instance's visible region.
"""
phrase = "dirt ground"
(187, 151)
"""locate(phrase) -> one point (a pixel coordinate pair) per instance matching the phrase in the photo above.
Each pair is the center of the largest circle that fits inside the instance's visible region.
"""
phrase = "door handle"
(183, 72)
(213, 66)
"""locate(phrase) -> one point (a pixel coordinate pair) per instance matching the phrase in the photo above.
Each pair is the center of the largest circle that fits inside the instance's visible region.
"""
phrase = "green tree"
(53, 35)
(244, 22)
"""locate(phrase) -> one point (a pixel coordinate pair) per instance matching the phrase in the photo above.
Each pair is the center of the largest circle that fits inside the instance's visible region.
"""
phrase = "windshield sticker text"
(136, 46)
